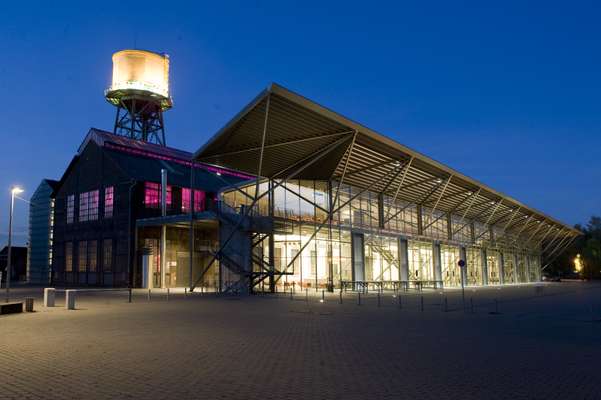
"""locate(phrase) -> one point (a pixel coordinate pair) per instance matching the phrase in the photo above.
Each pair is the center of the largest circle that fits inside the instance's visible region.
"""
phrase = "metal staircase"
(241, 248)
(384, 253)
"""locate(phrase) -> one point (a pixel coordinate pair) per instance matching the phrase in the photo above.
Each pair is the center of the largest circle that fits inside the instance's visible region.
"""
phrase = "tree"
(587, 245)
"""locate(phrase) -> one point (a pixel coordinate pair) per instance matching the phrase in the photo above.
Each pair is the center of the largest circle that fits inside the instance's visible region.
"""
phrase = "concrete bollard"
(49, 295)
(29, 304)
(323, 298)
(70, 299)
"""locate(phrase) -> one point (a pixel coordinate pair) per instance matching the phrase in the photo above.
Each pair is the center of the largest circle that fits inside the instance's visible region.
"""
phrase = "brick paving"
(540, 346)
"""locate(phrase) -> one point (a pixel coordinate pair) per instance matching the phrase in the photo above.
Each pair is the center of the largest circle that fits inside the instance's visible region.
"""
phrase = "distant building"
(18, 261)
(41, 221)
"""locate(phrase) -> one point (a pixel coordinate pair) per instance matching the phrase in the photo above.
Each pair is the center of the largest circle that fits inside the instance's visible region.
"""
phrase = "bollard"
(340, 301)
(148, 294)
(167, 294)
(359, 298)
(399, 300)
(29, 304)
(291, 294)
(322, 296)
(378, 299)
(421, 303)
(496, 311)
(49, 294)
(306, 295)
(70, 299)
(445, 304)
(185, 291)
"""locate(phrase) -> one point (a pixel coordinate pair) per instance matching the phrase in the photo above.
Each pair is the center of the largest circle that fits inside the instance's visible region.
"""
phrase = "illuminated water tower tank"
(140, 91)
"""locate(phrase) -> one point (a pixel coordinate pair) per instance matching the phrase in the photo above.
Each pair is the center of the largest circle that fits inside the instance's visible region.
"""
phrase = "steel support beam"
(558, 254)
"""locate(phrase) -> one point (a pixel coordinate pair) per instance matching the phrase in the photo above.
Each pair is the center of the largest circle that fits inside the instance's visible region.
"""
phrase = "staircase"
(384, 253)
(240, 238)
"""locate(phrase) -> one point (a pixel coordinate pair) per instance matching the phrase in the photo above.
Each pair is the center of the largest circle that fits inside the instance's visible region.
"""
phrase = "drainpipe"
(130, 268)
(163, 227)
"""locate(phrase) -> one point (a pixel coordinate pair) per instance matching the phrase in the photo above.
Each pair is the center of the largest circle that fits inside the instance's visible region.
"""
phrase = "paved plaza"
(523, 342)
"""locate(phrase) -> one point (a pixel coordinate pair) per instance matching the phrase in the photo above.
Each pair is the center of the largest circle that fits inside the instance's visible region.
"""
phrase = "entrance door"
(153, 264)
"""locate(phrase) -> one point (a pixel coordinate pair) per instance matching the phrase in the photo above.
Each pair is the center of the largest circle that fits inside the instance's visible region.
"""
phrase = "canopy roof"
(295, 130)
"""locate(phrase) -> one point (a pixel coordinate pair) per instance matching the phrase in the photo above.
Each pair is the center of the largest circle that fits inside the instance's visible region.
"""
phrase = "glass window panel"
(474, 266)
(451, 272)
(421, 265)
(109, 198)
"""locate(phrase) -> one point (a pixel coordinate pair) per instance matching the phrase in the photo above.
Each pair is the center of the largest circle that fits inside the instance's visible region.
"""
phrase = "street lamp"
(13, 192)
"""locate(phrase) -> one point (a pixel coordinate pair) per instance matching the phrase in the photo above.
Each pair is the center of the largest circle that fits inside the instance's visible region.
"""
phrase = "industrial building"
(287, 195)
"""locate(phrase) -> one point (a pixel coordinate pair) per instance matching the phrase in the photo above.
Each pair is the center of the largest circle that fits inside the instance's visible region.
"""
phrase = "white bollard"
(49, 297)
(70, 299)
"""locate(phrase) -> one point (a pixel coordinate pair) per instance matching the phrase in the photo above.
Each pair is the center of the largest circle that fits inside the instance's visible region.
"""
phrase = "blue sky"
(507, 93)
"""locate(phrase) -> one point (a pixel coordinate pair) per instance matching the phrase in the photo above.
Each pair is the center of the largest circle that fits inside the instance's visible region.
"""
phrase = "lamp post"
(13, 192)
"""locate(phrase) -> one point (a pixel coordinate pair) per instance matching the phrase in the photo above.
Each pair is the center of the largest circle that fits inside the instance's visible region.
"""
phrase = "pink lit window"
(199, 200)
(185, 200)
(152, 195)
(109, 198)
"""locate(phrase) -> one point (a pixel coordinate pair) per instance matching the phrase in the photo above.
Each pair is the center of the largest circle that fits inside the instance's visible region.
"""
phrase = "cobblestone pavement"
(542, 344)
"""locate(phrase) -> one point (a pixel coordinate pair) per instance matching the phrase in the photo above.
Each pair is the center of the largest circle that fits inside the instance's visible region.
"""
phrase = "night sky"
(508, 94)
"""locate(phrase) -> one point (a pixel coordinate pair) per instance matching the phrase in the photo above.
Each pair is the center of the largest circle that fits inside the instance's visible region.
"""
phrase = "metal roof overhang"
(295, 129)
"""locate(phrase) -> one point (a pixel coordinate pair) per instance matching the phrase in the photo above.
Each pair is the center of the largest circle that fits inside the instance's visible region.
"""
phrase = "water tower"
(140, 91)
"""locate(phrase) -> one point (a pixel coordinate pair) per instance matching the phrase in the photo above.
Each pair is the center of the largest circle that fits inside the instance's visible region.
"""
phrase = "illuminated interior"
(451, 271)
(312, 257)
(492, 263)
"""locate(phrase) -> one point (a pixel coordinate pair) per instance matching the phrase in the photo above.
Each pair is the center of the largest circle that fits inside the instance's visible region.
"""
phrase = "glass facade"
(474, 266)
(175, 271)
(493, 264)
(451, 272)
(362, 240)
(509, 273)
(381, 258)
(421, 262)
